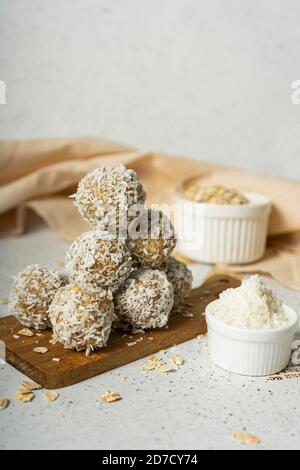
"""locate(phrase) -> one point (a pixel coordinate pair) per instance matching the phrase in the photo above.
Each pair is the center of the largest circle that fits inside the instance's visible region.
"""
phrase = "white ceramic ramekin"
(225, 234)
(250, 352)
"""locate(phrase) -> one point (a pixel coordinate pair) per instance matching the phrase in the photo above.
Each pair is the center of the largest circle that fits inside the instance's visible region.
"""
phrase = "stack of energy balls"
(124, 273)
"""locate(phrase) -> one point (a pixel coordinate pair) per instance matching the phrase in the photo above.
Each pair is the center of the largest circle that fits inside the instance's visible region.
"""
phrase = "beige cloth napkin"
(40, 174)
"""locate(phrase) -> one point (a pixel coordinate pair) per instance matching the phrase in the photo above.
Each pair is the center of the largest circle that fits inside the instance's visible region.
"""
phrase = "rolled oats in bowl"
(213, 194)
(216, 224)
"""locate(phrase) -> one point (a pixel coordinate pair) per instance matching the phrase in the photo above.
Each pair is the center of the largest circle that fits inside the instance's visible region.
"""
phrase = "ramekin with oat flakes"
(221, 225)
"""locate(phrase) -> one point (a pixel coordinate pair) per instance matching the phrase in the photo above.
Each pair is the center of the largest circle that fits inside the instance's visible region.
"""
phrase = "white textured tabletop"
(196, 407)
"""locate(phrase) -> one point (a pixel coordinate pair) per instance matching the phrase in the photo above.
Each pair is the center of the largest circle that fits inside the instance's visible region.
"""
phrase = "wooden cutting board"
(75, 367)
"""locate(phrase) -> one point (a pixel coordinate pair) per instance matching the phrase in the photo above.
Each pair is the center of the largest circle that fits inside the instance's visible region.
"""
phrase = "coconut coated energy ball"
(106, 194)
(180, 277)
(153, 241)
(31, 295)
(98, 262)
(81, 317)
(145, 300)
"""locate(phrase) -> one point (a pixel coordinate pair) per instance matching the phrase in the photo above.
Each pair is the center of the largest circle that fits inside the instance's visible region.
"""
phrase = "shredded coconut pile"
(146, 299)
(154, 241)
(101, 263)
(82, 317)
(253, 306)
(180, 277)
(108, 192)
(32, 292)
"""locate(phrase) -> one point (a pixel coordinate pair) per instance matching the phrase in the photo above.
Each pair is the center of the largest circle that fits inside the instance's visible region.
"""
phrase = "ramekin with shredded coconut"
(252, 306)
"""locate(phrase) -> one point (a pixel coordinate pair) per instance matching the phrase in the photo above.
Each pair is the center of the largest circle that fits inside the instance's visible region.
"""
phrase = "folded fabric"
(39, 175)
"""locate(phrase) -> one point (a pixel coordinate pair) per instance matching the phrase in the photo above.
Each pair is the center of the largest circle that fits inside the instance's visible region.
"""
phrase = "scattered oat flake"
(153, 363)
(55, 359)
(154, 359)
(162, 351)
(3, 301)
(16, 336)
(49, 395)
(29, 386)
(204, 346)
(53, 341)
(149, 367)
(39, 334)
(41, 350)
(164, 369)
(110, 397)
(25, 396)
(24, 390)
(149, 338)
(131, 344)
(4, 403)
(26, 332)
(177, 361)
(188, 315)
(245, 438)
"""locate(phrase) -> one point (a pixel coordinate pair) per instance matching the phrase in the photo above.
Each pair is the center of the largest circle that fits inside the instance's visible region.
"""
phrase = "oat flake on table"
(245, 438)
(53, 341)
(50, 395)
(24, 396)
(26, 332)
(188, 315)
(110, 397)
(156, 364)
(177, 361)
(41, 350)
(30, 386)
(4, 403)
(147, 367)
(164, 369)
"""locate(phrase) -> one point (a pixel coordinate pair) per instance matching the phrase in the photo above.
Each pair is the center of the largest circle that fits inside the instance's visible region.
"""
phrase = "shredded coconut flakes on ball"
(101, 263)
(81, 317)
(108, 192)
(32, 292)
(145, 300)
(154, 240)
(180, 277)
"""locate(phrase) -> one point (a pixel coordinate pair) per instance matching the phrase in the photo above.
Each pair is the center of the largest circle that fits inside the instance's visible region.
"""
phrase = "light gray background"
(205, 79)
